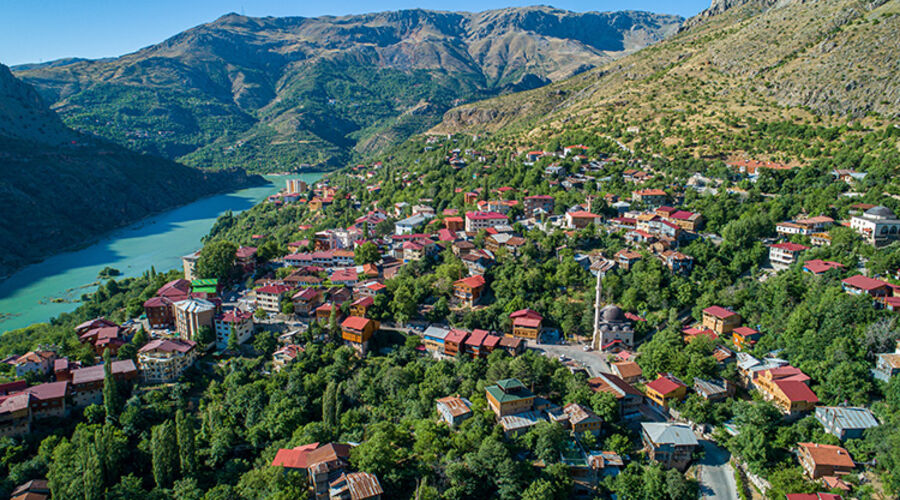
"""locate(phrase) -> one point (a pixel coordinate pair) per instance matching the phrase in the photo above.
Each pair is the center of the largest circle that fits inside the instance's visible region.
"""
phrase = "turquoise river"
(28, 296)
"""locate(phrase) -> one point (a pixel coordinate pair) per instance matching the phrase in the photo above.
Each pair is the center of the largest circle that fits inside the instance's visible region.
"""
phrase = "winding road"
(716, 475)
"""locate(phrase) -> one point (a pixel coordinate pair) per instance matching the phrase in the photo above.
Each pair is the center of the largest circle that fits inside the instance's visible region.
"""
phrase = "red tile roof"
(456, 336)
(295, 458)
(472, 281)
(790, 247)
(355, 323)
(664, 385)
(864, 283)
(719, 312)
(826, 454)
(796, 391)
(819, 266)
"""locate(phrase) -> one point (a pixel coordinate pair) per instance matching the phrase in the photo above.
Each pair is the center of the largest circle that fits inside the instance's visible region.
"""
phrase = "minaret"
(599, 291)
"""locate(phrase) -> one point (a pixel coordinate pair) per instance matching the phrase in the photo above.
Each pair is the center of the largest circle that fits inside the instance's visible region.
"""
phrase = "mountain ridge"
(280, 92)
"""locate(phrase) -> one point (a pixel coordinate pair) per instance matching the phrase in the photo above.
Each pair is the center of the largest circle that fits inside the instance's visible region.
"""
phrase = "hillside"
(59, 189)
(274, 93)
(827, 62)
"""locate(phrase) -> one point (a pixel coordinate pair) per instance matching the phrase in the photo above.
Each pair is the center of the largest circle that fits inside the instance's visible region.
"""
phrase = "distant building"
(476, 221)
(784, 255)
(526, 324)
(355, 486)
(189, 264)
(469, 290)
(613, 330)
(159, 312)
(878, 226)
(665, 391)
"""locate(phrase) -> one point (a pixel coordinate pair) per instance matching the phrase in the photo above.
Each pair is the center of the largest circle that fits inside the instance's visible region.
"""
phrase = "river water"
(27, 296)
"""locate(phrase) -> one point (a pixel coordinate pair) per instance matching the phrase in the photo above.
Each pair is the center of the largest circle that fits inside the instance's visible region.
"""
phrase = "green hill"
(59, 188)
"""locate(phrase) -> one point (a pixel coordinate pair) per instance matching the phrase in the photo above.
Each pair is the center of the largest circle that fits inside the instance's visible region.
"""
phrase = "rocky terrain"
(274, 93)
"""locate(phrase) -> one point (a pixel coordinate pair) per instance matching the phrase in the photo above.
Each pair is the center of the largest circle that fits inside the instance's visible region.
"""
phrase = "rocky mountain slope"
(273, 93)
(59, 188)
(824, 61)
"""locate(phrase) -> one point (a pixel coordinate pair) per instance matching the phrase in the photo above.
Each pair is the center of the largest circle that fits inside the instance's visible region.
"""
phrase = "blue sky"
(43, 30)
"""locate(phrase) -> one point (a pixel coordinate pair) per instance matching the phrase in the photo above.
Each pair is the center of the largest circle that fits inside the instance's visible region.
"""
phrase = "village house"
(788, 389)
(512, 345)
(15, 415)
(878, 226)
(454, 409)
(476, 221)
(581, 219)
(50, 399)
(306, 301)
(87, 383)
(582, 419)
(245, 259)
(102, 338)
(626, 258)
(784, 255)
(357, 332)
(846, 422)
(526, 324)
(39, 362)
(355, 486)
(669, 444)
(744, 337)
(859, 285)
(191, 315)
(509, 397)
(819, 266)
(454, 342)
(628, 398)
(664, 391)
(164, 360)
(713, 390)
(649, 197)
(720, 320)
(285, 356)
(468, 291)
(325, 465)
(677, 262)
(233, 322)
(821, 460)
(629, 371)
(887, 365)
(433, 338)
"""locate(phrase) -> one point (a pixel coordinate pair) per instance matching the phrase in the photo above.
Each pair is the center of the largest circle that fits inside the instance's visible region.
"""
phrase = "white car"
(587, 348)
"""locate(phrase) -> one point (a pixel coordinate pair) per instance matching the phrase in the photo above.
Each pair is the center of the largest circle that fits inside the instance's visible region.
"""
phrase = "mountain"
(60, 188)
(275, 93)
(824, 62)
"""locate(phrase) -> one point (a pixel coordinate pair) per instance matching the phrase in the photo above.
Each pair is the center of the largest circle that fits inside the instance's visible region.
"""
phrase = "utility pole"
(597, 299)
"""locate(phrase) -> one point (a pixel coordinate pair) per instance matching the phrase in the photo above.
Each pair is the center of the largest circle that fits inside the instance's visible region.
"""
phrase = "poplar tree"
(164, 451)
(187, 454)
(110, 391)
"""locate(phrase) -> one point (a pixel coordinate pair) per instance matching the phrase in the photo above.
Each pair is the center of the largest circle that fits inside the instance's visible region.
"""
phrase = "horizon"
(44, 31)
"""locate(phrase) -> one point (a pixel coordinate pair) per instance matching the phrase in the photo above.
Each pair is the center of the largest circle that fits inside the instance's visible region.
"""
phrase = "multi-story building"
(784, 255)
(454, 342)
(536, 204)
(476, 221)
(846, 422)
(582, 419)
(50, 399)
(744, 337)
(433, 337)
(580, 219)
(268, 298)
(357, 331)
(40, 362)
(469, 290)
(526, 324)
(508, 397)
(189, 264)
(820, 460)
(159, 312)
(306, 301)
(233, 322)
(650, 197)
(669, 444)
(164, 360)
(15, 415)
(720, 320)
(787, 388)
(191, 315)
(665, 390)
(628, 397)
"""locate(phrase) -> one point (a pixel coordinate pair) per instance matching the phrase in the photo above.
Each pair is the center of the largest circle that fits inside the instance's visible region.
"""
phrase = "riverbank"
(43, 290)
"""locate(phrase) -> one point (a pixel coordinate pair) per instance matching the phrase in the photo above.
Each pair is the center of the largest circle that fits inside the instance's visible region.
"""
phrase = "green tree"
(217, 260)
(187, 454)
(232, 339)
(366, 253)
(164, 454)
(205, 336)
(93, 475)
(110, 390)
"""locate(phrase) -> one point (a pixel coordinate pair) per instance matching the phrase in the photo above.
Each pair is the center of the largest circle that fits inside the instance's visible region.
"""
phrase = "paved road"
(593, 361)
(716, 474)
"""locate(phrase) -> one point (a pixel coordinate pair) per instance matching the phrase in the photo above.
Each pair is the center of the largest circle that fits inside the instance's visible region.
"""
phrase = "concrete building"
(669, 444)
(612, 329)
(236, 322)
(164, 360)
(87, 383)
(191, 315)
(878, 226)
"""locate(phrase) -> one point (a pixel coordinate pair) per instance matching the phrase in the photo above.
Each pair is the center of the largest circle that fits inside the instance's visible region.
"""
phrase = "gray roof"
(881, 211)
(413, 221)
(846, 417)
(665, 433)
(520, 420)
(435, 332)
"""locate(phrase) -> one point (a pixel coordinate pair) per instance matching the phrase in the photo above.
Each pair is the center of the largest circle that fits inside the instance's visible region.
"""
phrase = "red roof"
(294, 458)
(826, 454)
(790, 247)
(476, 339)
(526, 313)
(355, 323)
(485, 216)
(472, 281)
(664, 385)
(719, 312)
(491, 341)
(527, 322)
(795, 391)
(158, 302)
(236, 316)
(744, 331)
(819, 266)
(650, 192)
(363, 302)
(864, 283)
(457, 336)
(582, 214)
(273, 289)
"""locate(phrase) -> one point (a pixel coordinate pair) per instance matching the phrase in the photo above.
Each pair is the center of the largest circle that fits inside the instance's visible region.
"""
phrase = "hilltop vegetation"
(275, 93)
(59, 188)
(802, 63)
